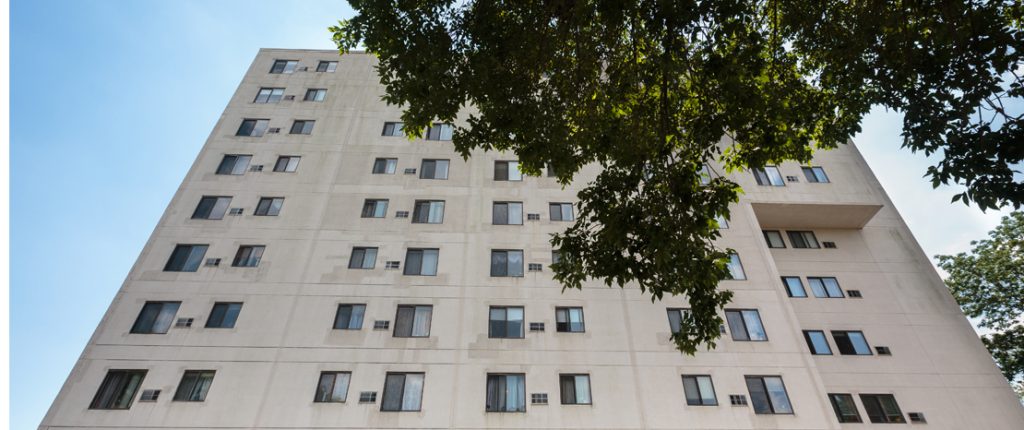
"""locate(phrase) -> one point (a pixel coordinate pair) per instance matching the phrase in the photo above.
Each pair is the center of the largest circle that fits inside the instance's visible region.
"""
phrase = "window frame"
(234, 163)
(150, 326)
(319, 95)
(789, 290)
(734, 264)
(746, 329)
(574, 378)
(269, 207)
(319, 395)
(700, 392)
(825, 287)
(395, 128)
(384, 166)
(886, 417)
(124, 391)
(508, 211)
(418, 211)
(848, 346)
(505, 323)
(305, 127)
(225, 316)
(288, 163)
(247, 251)
(807, 238)
(287, 67)
(505, 173)
(508, 272)
(680, 313)
(561, 211)
(189, 393)
(811, 346)
(844, 418)
(567, 325)
(185, 266)
(412, 321)
(214, 211)
(328, 66)
(374, 203)
(270, 96)
(504, 382)
(435, 162)
(422, 254)
(442, 132)
(764, 178)
(767, 395)
(768, 239)
(364, 253)
(811, 174)
(403, 389)
(259, 127)
(351, 316)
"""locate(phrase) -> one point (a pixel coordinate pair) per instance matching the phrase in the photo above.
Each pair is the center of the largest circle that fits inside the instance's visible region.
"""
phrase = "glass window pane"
(582, 389)
(499, 214)
(777, 394)
(513, 171)
(832, 287)
(515, 263)
(413, 392)
(754, 327)
(515, 213)
(441, 169)
(817, 287)
(691, 391)
(736, 268)
(707, 391)
(794, 287)
(499, 263)
(393, 392)
(675, 321)
(758, 395)
(735, 320)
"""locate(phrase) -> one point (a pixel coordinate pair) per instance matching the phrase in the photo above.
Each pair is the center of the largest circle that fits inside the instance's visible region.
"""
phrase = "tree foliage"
(648, 88)
(988, 282)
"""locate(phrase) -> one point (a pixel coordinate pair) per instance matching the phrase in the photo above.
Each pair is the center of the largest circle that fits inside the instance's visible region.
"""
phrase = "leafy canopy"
(988, 282)
(648, 88)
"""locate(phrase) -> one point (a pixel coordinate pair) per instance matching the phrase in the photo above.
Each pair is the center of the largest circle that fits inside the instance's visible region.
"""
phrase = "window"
(186, 258)
(253, 127)
(421, 262)
(556, 256)
(118, 389)
(803, 239)
(286, 163)
(434, 169)
(882, 408)
(774, 239)
(705, 174)
(699, 390)
(569, 320)
(560, 211)
(234, 164)
(269, 95)
(769, 175)
(745, 325)
(155, 317)
(194, 386)
(816, 174)
(413, 321)
(428, 212)
(676, 316)
(575, 389)
(349, 317)
(552, 172)
(825, 287)
(363, 258)
(211, 207)
(506, 262)
(248, 256)
(327, 66)
(392, 129)
(507, 171)
(505, 322)
(768, 394)
(384, 166)
(851, 342)
(333, 387)
(794, 288)
(507, 213)
(506, 392)
(440, 132)
(284, 66)
(846, 409)
(315, 95)
(817, 342)
(223, 315)
(269, 206)
(375, 208)
(402, 392)
(302, 126)
(735, 267)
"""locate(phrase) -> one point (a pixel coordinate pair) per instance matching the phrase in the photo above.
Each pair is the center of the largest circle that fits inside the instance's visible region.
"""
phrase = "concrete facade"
(267, 366)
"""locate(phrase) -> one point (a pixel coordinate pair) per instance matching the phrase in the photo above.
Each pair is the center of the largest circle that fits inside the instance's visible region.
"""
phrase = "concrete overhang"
(814, 215)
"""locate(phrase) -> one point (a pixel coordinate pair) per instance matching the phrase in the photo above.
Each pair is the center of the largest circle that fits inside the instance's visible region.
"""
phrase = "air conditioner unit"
(303, 69)
(289, 98)
(256, 168)
(274, 130)
(213, 262)
(184, 322)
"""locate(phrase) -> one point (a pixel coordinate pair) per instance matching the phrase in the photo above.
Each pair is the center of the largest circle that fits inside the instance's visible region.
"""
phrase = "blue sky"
(112, 100)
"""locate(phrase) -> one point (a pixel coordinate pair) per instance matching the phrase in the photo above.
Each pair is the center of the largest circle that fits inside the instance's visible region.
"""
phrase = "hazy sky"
(111, 102)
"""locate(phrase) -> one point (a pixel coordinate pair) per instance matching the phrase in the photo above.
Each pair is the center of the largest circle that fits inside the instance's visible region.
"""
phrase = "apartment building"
(317, 270)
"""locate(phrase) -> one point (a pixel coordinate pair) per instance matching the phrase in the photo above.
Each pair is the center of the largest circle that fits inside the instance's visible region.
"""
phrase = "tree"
(648, 88)
(988, 283)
